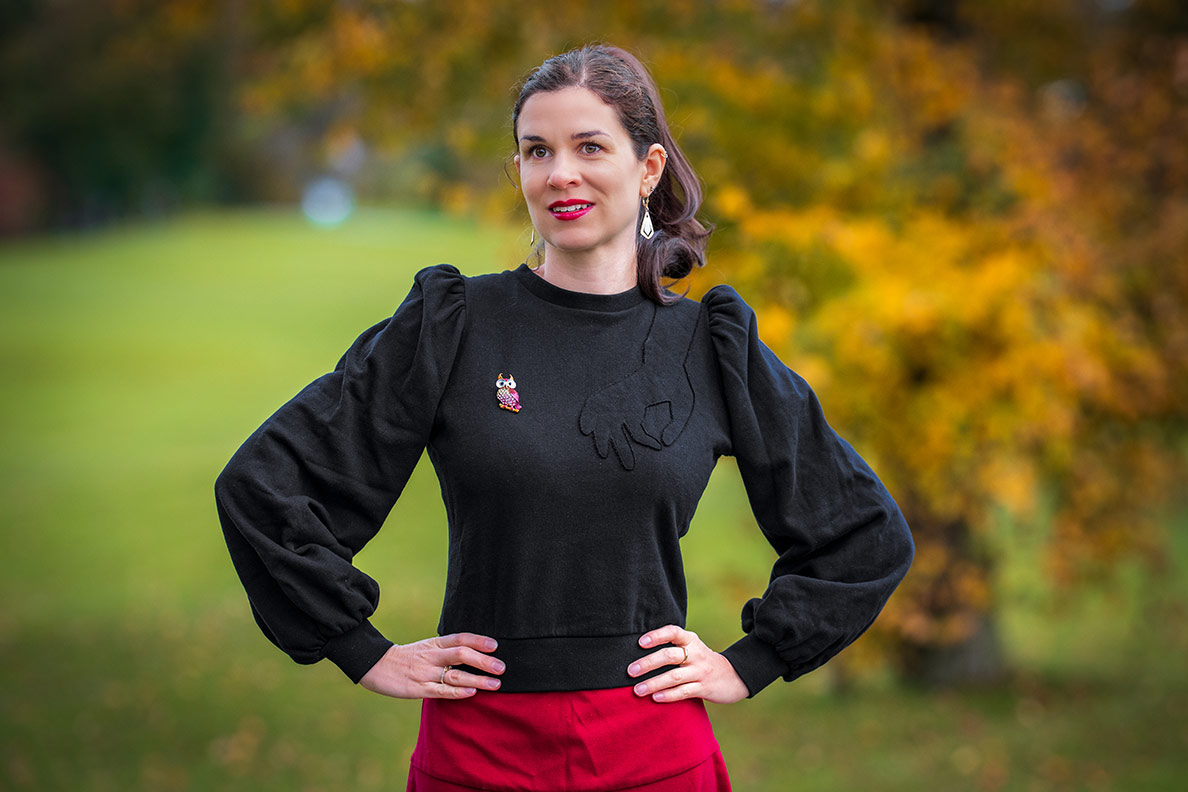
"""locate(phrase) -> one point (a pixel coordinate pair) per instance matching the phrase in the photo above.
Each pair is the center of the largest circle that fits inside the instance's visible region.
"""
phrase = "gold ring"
(685, 649)
(443, 673)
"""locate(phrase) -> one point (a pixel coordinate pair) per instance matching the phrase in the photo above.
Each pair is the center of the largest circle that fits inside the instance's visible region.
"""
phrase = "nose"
(564, 173)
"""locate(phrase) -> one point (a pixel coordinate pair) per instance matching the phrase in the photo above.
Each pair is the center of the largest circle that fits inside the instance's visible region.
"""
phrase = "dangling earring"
(532, 239)
(645, 229)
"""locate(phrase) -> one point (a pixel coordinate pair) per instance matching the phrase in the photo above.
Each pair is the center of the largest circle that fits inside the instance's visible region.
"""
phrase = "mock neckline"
(572, 299)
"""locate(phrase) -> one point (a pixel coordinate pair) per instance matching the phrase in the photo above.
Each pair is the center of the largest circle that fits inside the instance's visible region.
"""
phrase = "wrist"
(756, 663)
(357, 651)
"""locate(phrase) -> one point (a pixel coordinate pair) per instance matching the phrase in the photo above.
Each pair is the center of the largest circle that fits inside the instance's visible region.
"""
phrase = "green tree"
(122, 104)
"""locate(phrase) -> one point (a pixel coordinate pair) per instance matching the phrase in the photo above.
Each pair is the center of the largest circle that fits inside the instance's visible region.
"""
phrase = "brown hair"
(619, 79)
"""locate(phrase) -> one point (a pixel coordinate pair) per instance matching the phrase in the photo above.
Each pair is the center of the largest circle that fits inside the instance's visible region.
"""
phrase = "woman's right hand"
(425, 669)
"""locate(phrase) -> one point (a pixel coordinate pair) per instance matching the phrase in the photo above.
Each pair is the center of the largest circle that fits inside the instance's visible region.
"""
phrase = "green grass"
(134, 363)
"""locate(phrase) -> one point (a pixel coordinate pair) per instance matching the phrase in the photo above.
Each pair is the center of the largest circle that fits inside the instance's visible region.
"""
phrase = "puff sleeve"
(842, 542)
(316, 481)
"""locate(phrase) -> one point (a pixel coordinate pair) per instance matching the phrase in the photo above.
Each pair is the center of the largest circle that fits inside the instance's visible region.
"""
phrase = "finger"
(464, 679)
(464, 655)
(669, 633)
(602, 442)
(482, 643)
(682, 408)
(640, 435)
(668, 656)
(448, 691)
(676, 677)
(679, 693)
(620, 441)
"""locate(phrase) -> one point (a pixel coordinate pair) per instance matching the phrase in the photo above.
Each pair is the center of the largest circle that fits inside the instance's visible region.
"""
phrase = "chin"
(571, 243)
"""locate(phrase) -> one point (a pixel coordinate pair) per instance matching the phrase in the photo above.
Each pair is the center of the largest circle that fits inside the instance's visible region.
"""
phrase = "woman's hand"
(425, 669)
(700, 671)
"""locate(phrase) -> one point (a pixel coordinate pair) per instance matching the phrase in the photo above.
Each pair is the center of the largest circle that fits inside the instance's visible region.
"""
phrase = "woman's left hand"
(699, 671)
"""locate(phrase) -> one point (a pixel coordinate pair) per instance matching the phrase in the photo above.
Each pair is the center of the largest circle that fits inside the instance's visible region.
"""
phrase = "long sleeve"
(842, 542)
(315, 482)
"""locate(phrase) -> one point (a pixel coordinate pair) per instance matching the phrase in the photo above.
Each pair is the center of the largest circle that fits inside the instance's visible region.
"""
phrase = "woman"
(574, 413)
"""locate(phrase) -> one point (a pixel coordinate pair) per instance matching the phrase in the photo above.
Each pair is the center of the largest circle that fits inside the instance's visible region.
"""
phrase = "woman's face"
(579, 174)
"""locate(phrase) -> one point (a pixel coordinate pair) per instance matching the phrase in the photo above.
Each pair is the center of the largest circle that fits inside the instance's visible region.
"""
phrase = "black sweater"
(564, 517)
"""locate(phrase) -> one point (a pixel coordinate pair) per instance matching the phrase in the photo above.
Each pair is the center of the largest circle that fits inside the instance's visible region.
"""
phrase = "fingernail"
(492, 645)
(469, 691)
(658, 697)
(641, 689)
(645, 641)
(633, 669)
(493, 684)
(498, 666)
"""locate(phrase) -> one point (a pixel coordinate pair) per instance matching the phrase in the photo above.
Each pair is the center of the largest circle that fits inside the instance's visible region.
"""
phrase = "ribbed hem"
(571, 299)
(357, 650)
(541, 665)
(756, 662)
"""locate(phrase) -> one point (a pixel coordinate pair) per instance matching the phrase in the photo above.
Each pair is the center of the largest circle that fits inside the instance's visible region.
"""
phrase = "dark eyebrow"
(575, 136)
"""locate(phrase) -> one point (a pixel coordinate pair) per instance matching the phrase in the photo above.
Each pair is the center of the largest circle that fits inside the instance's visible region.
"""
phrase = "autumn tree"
(991, 296)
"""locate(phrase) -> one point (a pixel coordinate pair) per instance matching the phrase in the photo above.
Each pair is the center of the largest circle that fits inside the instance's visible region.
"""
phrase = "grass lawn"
(136, 360)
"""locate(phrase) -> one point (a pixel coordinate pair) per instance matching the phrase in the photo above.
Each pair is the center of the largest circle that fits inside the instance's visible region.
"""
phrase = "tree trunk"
(978, 660)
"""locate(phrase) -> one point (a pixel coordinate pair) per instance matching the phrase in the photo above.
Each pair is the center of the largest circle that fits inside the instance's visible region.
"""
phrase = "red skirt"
(582, 741)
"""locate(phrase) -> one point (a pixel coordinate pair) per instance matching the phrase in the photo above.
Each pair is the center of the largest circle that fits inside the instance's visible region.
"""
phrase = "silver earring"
(645, 229)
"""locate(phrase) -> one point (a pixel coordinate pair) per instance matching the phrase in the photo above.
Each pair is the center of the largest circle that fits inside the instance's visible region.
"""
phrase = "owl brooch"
(505, 392)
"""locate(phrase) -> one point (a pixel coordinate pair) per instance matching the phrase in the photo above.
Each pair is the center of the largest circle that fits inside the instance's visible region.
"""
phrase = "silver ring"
(443, 673)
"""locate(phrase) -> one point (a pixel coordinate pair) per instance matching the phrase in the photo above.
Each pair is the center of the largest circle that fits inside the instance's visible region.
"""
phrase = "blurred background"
(965, 223)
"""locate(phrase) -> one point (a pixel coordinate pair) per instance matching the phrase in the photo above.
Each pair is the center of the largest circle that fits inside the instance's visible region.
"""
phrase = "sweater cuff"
(357, 650)
(756, 662)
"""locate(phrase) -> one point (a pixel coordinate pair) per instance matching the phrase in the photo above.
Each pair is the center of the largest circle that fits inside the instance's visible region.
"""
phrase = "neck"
(592, 272)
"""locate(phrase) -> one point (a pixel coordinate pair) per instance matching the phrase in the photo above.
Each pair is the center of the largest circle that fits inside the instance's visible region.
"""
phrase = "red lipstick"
(570, 209)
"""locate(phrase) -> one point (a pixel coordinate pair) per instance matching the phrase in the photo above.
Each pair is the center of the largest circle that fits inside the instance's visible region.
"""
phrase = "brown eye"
(591, 148)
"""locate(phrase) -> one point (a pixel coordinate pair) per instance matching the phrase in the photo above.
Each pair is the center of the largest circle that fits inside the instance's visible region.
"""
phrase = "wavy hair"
(619, 79)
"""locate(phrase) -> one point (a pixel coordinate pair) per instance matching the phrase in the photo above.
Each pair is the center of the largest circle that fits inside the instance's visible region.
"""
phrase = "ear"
(516, 160)
(654, 163)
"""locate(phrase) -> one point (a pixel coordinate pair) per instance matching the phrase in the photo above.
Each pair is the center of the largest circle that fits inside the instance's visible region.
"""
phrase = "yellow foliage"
(457, 199)
(361, 44)
(731, 202)
(873, 147)
(1012, 482)
(776, 324)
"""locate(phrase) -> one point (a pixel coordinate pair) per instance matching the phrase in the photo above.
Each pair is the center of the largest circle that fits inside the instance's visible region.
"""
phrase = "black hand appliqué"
(651, 405)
